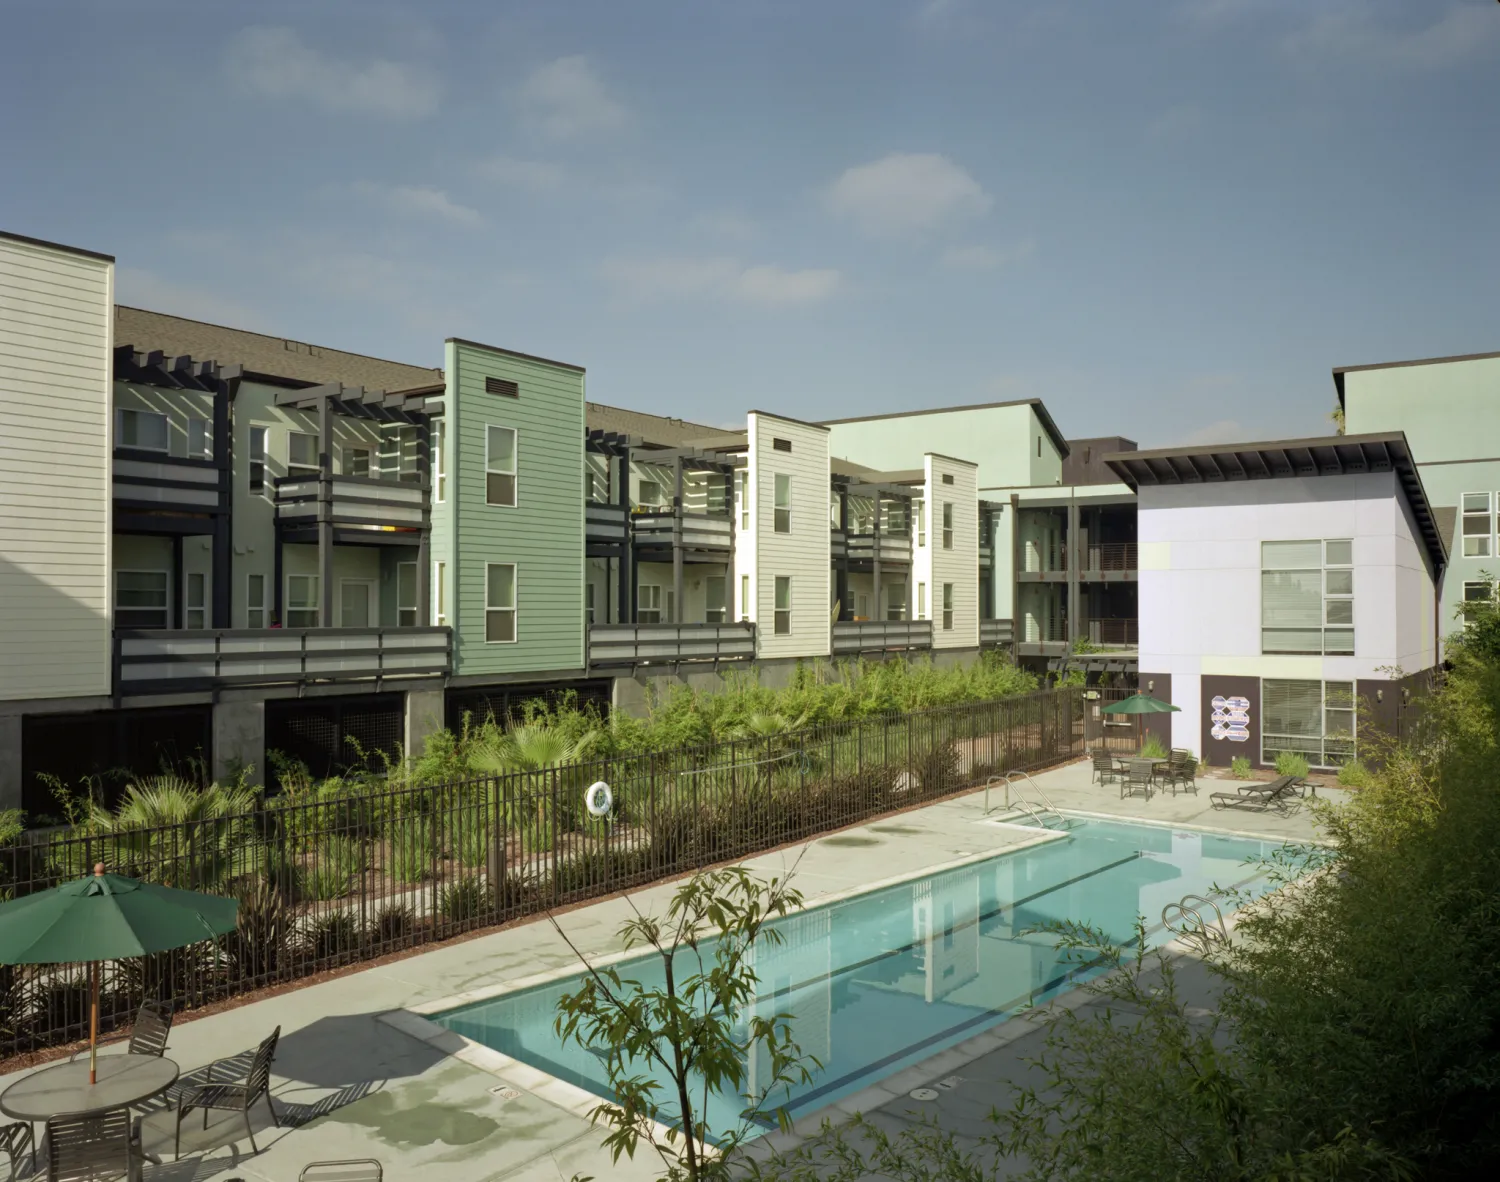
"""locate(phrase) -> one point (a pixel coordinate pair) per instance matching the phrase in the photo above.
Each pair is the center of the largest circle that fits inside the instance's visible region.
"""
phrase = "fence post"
(494, 868)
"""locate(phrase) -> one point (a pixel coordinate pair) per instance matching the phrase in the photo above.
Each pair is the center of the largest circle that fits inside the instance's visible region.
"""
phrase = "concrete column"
(1074, 558)
(875, 561)
(325, 512)
(240, 740)
(424, 543)
(426, 714)
(678, 607)
(10, 761)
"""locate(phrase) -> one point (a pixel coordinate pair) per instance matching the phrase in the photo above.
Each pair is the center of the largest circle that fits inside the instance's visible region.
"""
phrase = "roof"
(513, 353)
(291, 361)
(89, 254)
(1340, 370)
(1329, 455)
(1035, 403)
(658, 429)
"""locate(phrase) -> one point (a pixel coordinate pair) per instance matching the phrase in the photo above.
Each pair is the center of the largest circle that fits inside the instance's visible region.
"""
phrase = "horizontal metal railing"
(357, 500)
(170, 482)
(893, 548)
(1113, 630)
(873, 636)
(995, 632)
(1043, 630)
(159, 661)
(640, 644)
(700, 531)
(1043, 558)
(1111, 556)
(604, 522)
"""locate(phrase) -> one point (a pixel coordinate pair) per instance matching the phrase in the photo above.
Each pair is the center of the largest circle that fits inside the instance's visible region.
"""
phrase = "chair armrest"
(100, 1045)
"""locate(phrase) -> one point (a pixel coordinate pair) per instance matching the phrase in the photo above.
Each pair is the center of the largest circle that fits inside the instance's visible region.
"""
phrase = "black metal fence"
(328, 879)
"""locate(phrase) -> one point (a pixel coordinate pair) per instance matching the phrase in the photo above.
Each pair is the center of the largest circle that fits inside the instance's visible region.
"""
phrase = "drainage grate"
(505, 1093)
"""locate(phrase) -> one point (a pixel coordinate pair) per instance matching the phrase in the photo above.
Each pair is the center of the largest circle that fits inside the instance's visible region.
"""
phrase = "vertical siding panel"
(802, 554)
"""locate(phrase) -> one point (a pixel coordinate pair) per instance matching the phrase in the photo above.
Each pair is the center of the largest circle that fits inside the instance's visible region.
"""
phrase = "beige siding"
(801, 554)
(960, 565)
(55, 360)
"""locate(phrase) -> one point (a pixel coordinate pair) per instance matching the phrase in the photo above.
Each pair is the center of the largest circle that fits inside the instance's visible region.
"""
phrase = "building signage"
(1231, 719)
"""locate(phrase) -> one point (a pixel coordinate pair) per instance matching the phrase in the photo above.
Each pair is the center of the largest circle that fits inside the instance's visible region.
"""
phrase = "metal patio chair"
(1104, 767)
(1137, 779)
(233, 1095)
(1181, 771)
(16, 1141)
(93, 1148)
(148, 1036)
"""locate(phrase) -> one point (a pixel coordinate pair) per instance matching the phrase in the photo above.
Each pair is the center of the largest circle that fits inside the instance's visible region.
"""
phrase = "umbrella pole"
(93, 1022)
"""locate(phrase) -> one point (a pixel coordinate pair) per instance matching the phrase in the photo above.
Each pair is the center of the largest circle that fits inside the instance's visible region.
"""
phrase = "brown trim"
(1035, 403)
(771, 414)
(88, 254)
(513, 353)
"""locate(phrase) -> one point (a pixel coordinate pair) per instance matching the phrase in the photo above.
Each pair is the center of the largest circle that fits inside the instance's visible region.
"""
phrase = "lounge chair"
(1258, 798)
(102, 1145)
(235, 1094)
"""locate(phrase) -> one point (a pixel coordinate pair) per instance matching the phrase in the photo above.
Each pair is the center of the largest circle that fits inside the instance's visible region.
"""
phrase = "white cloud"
(720, 278)
(566, 99)
(979, 257)
(146, 289)
(906, 193)
(419, 201)
(1351, 31)
(535, 176)
(273, 61)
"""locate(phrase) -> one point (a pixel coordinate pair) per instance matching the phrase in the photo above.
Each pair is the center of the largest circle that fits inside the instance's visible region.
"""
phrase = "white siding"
(960, 565)
(801, 554)
(56, 317)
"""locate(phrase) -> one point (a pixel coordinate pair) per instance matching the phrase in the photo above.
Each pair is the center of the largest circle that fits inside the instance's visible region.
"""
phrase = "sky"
(1168, 219)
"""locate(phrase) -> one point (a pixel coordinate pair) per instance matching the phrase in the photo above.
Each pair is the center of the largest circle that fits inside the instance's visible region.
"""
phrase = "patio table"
(124, 1081)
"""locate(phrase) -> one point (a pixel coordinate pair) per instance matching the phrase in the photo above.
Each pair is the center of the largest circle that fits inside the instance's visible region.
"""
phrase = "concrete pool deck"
(360, 1073)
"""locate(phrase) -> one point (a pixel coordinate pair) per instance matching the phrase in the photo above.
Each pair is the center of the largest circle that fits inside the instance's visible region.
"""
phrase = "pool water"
(880, 981)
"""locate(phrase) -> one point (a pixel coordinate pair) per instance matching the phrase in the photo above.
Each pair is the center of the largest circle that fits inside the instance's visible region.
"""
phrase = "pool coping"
(1186, 826)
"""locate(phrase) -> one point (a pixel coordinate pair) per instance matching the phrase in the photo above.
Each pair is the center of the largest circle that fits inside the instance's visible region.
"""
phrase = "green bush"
(393, 924)
(333, 936)
(465, 899)
(331, 871)
(411, 848)
(1355, 775)
(1153, 748)
(1239, 768)
(1290, 763)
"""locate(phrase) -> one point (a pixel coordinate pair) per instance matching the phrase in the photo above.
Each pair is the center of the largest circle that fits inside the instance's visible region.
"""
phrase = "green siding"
(542, 534)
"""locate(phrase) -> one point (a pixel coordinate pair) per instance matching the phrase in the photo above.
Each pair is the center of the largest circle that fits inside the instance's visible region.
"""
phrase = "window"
(651, 492)
(745, 598)
(744, 478)
(505, 386)
(500, 467)
(783, 505)
(144, 429)
(406, 595)
(1038, 447)
(783, 605)
(648, 604)
(919, 510)
(302, 455)
(947, 477)
(947, 525)
(715, 611)
(1307, 597)
(861, 606)
(356, 461)
(921, 601)
(591, 485)
(302, 601)
(200, 434)
(257, 468)
(500, 603)
(440, 594)
(195, 601)
(440, 458)
(141, 599)
(781, 444)
(1478, 525)
(896, 602)
(255, 601)
(896, 519)
(717, 495)
(1314, 719)
(588, 603)
(947, 607)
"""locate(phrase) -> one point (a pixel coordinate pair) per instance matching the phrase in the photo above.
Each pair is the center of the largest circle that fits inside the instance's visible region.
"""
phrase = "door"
(355, 597)
(195, 601)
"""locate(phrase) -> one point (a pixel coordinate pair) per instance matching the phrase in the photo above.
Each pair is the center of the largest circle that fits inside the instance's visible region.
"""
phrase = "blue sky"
(1167, 218)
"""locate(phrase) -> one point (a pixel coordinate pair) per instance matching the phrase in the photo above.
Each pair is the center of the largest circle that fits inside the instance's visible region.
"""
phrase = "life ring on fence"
(598, 799)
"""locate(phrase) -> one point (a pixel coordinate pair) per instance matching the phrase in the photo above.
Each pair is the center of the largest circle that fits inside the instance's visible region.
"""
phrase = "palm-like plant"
(209, 824)
(534, 747)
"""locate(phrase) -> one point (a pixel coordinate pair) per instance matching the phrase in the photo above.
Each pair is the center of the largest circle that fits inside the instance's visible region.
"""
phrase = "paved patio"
(360, 1074)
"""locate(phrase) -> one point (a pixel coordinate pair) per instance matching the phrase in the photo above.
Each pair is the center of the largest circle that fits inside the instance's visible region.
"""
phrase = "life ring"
(598, 799)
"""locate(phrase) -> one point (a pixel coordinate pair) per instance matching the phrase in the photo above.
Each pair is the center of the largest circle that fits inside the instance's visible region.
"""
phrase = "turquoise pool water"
(880, 981)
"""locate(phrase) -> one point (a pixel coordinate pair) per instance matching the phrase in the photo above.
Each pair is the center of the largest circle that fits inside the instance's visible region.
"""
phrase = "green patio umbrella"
(107, 917)
(1139, 704)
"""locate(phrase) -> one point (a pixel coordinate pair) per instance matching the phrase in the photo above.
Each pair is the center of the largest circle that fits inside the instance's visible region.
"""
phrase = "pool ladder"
(1013, 799)
(1186, 921)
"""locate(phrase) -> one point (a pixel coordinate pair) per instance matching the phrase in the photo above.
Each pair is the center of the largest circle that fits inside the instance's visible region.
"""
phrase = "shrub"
(464, 899)
(335, 935)
(393, 924)
(412, 849)
(257, 947)
(331, 873)
(1290, 763)
(1239, 768)
(1355, 775)
(1152, 748)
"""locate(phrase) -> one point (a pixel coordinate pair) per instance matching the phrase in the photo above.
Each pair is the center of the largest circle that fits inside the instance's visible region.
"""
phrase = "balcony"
(1044, 630)
(895, 550)
(995, 633)
(1043, 562)
(1113, 632)
(669, 644)
(838, 543)
(986, 552)
(605, 524)
(150, 482)
(361, 506)
(181, 661)
(880, 636)
(711, 533)
(1110, 561)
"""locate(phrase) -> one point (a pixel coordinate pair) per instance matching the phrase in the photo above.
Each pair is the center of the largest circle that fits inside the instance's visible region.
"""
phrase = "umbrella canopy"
(1139, 704)
(108, 917)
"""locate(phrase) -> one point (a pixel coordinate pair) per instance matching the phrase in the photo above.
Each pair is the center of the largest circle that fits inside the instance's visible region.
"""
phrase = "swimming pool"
(880, 981)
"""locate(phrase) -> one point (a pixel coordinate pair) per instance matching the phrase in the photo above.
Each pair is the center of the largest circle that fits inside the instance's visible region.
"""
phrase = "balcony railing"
(1111, 556)
(605, 523)
(1113, 631)
(1043, 630)
(894, 548)
(357, 500)
(158, 661)
(700, 531)
(658, 644)
(995, 633)
(876, 636)
(838, 542)
(986, 552)
(153, 481)
(1041, 557)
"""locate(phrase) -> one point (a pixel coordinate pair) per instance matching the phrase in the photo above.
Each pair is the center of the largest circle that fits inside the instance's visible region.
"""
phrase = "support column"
(177, 578)
(239, 740)
(1074, 559)
(222, 563)
(875, 560)
(841, 565)
(424, 541)
(11, 794)
(1016, 567)
(278, 590)
(624, 574)
(325, 512)
(677, 541)
(425, 715)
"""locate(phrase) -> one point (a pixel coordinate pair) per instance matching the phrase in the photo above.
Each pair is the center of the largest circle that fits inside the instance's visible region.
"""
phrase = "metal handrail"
(1184, 919)
(1021, 802)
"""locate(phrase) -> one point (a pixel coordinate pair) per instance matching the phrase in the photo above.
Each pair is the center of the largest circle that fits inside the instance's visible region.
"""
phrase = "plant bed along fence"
(341, 878)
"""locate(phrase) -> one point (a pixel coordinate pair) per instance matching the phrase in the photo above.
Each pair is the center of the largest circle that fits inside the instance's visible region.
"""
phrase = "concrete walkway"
(360, 1074)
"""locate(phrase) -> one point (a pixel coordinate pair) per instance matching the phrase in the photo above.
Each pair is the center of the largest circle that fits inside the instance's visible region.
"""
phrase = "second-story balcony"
(838, 543)
(1112, 632)
(880, 636)
(895, 550)
(1043, 561)
(615, 645)
(706, 534)
(153, 482)
(360, 506)
(996, 633)
(1110, 561)
(605, 524)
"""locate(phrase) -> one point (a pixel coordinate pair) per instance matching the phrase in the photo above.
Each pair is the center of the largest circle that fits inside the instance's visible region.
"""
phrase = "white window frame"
(252, 581)
(201, 448)
(650, 601)
(440, 594)
(515, 603)
(947, 525)
(194, 614)
(642, 501)
(895, 608)
(588, 601)
(781, 616)
(720, 614)
(744, 599)
(121, 413)
(1480, 543)
(513, 471)
(303, 471)
(1324, 569)
(921, 601)
(919, 511)
(744, 486)
(255, 468)
(351, 456)
(1301, 744)
(166, 591)
(439, 460)
(947, 607)
(315, 611)
(781, 481)
(403, 609)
